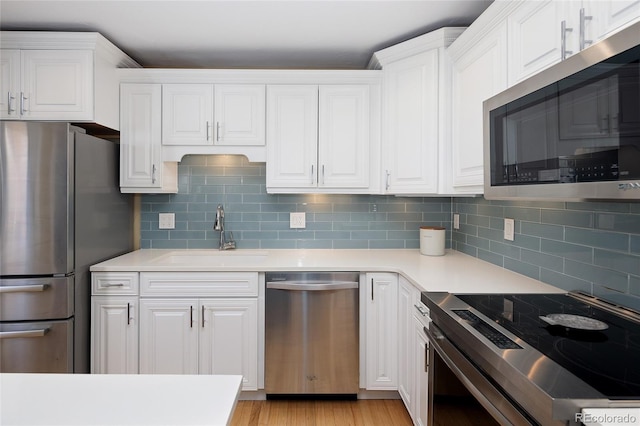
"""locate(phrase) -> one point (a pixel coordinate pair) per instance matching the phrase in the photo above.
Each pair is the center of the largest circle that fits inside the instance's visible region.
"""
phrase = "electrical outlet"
(167, 220)
(456, 221)
(297, 220)
(509, 226)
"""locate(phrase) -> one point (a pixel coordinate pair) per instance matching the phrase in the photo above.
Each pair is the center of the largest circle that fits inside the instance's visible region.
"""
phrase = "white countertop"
(117, 399)
(454, 272)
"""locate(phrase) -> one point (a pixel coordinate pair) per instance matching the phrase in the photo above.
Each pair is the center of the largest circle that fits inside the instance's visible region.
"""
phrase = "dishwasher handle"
(312, 285)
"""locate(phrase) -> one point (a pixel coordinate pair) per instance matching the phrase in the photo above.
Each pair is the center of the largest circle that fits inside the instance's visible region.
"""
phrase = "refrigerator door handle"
(25, 333)
(24, 288)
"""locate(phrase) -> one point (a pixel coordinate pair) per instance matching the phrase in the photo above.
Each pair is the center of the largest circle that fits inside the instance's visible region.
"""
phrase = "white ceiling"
(244, 34)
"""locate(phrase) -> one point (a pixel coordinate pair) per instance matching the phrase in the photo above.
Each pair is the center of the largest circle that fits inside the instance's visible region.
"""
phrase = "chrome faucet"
(218, 225)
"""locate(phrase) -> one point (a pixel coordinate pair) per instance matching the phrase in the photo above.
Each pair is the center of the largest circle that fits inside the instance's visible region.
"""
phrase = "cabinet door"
(608, 16)
(229, 339)
(421, 370)
(382, 331)
(485, 62)
(292, 136)
(140, 129)
(531, 49)
(406, 342)
(240, 114)
(411, 119)
(169, 336)
(114, 335)
(187, 114)
(9, 84)
(57, 84)
(343, 136)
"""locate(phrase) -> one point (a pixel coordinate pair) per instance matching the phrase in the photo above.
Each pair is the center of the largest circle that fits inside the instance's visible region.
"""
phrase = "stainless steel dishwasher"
(311, 334)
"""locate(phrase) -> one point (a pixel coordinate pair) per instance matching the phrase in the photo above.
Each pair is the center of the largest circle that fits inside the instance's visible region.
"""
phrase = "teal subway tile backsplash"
(593, 247)
(261, 220)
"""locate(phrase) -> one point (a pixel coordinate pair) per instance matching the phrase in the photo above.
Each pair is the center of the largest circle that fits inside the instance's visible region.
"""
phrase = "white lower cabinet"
(114, 337)
(412, 355)
(200, 336)
(421, 371)
(177, 323)
(381, 318)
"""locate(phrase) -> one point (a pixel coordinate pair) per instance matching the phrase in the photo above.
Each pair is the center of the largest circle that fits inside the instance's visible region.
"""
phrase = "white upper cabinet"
(187, 114)
(411, 125)
(542, 33)
(207, 114)
(318, 137)
(292, 141)
(60, 77)
(480, 72)
(343, 136)
(141, 166)
(240, 114)
(416, 113)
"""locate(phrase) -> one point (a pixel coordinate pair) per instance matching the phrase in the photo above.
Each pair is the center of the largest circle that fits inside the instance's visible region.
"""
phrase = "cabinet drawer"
(199, 284)
(114, 283)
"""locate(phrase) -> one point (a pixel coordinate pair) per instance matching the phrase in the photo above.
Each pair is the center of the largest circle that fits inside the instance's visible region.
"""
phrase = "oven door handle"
(478, 385)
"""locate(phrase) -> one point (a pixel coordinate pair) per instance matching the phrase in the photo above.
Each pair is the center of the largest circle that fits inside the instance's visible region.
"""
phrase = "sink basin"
(211, 257)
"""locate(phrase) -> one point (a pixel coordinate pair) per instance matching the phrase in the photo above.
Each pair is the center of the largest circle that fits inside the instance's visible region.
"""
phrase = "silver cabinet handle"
(371, 288)
(323, 174)
(208, 126)
(424, 312)
(128, 313)
(217, 131)
(23, 333)
(9, 99)
(583, 18)
(113, 285)
(312, 178)
(23, 288)
(23, 108)
(153, 173)
(386, 185)
(563, 38)
(191, 316)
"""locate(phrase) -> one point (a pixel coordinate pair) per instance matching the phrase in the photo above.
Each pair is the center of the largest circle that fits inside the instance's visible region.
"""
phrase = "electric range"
(549, 373)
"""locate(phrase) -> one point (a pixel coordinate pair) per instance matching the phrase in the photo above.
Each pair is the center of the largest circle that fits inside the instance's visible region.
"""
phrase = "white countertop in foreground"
(117, 399)
(454, 272)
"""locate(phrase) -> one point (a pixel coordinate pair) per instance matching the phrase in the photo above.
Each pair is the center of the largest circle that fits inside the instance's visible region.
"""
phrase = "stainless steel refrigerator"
(60, 212)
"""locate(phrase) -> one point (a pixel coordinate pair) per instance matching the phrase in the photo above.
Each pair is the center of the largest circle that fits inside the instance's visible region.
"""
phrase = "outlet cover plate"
(166, 220)
(509, 226)
(297, 220)
(456, 221)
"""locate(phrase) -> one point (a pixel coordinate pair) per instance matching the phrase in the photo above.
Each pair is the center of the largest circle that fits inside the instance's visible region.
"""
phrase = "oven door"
(458, 388)
(36, 347)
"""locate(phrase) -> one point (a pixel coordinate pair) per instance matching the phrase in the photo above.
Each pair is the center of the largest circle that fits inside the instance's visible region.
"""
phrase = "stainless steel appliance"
(60, 212)
(311, 334)
(523, 370)
(571, 132)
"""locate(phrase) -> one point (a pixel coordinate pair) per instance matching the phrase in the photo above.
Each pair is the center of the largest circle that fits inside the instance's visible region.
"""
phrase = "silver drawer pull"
(114, 285)
(424, 312)
(23, 333)
(24, 288)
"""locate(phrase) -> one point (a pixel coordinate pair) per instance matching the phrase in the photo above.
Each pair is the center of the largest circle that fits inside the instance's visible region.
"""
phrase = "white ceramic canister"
(432, 240)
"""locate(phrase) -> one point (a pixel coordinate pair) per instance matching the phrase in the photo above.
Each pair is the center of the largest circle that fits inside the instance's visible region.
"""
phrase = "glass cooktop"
(608, 360)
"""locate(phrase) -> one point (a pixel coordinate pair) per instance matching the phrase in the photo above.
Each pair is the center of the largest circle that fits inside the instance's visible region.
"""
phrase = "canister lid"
(435, 228)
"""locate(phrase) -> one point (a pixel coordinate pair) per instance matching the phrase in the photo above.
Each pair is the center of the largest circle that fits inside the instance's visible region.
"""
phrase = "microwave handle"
(563, 38)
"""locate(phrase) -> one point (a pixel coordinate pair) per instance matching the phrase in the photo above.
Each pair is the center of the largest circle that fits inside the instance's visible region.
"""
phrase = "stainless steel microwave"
(571, 132)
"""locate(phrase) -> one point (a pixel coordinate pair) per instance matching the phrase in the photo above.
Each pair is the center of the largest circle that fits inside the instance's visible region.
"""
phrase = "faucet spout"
(218, 225)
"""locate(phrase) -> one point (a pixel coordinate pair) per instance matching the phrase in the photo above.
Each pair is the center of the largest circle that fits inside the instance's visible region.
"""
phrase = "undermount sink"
(211, 257)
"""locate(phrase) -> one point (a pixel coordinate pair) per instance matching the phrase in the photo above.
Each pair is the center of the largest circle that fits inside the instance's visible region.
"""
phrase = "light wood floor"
(364, 412)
